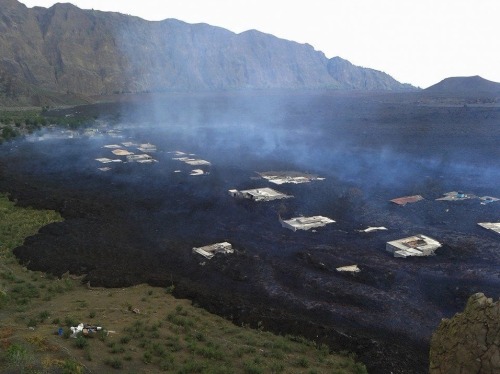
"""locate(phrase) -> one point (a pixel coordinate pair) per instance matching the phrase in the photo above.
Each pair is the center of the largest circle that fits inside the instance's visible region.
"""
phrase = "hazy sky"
(416, 41)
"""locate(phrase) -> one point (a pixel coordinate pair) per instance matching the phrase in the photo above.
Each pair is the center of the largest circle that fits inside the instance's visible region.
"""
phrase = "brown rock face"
(470, 341)
(65, 49)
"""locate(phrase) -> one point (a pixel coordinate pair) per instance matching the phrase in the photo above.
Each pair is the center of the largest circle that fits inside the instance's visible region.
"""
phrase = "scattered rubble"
(418, 245)
(493, 226)
(305, 223)
(85, 329)
(209, 251)
(259, 194)
(407, 200)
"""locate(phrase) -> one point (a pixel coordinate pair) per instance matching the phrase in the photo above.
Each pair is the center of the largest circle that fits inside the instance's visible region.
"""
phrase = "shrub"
(115, 363)
(81, 342)
(72, 367)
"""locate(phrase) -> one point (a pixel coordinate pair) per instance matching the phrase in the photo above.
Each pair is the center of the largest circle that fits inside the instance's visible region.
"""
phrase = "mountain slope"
(465, 86)
(64, 49)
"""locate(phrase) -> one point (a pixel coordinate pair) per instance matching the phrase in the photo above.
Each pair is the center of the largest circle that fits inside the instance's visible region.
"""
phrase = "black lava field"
(137, 223)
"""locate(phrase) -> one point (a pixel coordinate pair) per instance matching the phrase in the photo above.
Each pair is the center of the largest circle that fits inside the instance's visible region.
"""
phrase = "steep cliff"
(65, 49)
(470, 341)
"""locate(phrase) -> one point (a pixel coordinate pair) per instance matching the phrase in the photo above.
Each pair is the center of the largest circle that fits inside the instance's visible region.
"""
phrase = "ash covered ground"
(138, 222)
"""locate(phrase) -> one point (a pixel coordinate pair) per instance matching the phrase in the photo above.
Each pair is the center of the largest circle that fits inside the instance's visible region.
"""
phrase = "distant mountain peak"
(472, 85)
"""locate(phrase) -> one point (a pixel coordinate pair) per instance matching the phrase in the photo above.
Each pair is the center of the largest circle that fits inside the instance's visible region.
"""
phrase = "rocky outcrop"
(470, 341)
(65, 49)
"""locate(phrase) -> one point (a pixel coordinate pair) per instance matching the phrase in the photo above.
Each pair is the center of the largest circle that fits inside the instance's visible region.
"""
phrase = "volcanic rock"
(470, 341)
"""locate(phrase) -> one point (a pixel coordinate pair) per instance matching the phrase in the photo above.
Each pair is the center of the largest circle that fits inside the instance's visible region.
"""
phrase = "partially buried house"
(305, 223)
(407, 200)
(211, 250)
(492, 226)
(417, 245)
(259, 194)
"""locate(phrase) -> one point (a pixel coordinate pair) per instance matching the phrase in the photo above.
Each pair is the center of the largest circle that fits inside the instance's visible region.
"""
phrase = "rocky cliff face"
(64, 49)
(470, 341)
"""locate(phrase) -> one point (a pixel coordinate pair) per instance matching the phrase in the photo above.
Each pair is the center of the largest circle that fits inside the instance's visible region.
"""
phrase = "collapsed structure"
(305, 223)
(281, 177)
(456, 196)
(259, 194)
(407, 200)
(211, 250)
(492, 226)
(418, 245)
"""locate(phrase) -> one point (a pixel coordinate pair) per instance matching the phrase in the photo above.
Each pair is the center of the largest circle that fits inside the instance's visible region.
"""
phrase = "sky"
(419, 42)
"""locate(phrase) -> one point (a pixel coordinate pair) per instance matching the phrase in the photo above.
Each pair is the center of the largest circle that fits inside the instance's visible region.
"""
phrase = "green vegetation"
(14, 123)
(144, 329)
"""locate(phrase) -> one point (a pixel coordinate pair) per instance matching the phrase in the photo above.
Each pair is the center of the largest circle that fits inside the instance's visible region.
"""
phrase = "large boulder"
(470, 341)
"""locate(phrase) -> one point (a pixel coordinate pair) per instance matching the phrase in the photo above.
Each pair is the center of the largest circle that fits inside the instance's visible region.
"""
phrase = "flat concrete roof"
(259, 194)
(349, 269)
(493, 226)
(454, 196)
(122, 152)
(209, 251)
(305, 223)
(294, 177)
(417, 245)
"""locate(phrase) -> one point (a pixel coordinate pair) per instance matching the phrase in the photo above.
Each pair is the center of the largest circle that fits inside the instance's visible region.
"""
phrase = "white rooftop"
(305, 223)
(122, 152)
(209, 251)
(281, 177)
(370, 229)
(493, 226)
(259, 194)
(417, 245)
(349, 269)
(105, 160)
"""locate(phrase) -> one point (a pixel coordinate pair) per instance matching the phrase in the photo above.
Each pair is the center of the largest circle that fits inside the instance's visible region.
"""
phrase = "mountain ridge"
(66, 50)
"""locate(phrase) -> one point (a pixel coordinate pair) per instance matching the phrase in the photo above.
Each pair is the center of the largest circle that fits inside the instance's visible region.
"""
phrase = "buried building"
(259, 194)
(492, 226)
(209, 251)
(407, 200)
(294, 177)
(305, 223)
(418, 245)
(456, 196)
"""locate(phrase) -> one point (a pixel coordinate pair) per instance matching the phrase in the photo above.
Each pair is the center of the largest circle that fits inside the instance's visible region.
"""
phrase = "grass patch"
(168, 335)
